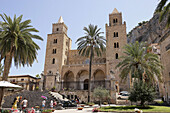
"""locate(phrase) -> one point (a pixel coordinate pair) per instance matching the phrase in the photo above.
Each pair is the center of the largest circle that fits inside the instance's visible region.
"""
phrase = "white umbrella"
(6, 84)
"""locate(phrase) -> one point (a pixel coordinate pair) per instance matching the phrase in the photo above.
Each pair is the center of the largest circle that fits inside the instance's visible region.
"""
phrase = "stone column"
(112, 91)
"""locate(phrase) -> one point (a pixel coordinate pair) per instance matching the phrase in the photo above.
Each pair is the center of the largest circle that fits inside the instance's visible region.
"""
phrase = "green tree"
(16, 42)
(142, 92)
(139, 63)
(101, 93)
(89, 45)
(163, 8)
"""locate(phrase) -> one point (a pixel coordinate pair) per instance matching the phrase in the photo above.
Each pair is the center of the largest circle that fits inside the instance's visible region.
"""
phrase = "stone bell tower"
(58, 45)
(116, 40)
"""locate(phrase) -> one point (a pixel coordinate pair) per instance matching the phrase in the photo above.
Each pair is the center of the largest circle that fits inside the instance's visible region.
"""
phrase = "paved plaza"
(85, 110)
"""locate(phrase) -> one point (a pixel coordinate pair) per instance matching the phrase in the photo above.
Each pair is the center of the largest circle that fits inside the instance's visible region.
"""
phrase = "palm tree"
(140, 63)
(89, 45)
(163, 9)
(16, 42)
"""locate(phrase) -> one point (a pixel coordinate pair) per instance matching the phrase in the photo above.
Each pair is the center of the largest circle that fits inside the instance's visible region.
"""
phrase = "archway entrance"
(99, 79)
(86, 84)
(82, 79)
(68, 80)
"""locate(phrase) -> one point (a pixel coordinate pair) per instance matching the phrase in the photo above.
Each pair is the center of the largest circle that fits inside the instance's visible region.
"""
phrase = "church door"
(86, 84)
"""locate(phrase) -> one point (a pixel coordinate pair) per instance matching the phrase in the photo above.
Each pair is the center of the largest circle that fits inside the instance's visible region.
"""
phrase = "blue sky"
(76, 14)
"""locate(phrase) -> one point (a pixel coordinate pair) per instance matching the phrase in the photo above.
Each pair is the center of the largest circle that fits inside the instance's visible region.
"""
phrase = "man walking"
(24, 104)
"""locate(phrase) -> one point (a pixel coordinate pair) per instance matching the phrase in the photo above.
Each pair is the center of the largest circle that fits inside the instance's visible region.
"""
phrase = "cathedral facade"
(66, 69)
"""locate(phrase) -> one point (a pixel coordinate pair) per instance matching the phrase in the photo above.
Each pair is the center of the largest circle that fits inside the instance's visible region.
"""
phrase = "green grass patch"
(131, 108)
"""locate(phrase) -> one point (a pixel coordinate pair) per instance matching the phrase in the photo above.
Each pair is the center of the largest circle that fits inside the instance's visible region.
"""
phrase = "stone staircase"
(58, 97)
(34, 98)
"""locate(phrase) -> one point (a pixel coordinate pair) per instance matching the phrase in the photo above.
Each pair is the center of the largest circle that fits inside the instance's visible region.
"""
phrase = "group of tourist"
(52, 104)
(19, 102)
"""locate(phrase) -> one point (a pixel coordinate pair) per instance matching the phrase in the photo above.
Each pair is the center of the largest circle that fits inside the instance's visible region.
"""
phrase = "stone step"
(34, 98)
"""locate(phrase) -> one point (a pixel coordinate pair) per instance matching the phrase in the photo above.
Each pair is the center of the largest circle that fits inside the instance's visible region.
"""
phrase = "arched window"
(57, 29)
(115, 34)
(116, 20)
(117, 44)
(54, 51)
(53, 61)
(114, 45)
(116, 55)
(55, 40)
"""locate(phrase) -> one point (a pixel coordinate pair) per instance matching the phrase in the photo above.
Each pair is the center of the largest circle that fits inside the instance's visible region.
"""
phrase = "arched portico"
(68, 80)
(99, 75)
(81, 78)
(98, 78)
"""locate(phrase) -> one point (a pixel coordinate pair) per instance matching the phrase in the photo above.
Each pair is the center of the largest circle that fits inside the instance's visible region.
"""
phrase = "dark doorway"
(86, 84)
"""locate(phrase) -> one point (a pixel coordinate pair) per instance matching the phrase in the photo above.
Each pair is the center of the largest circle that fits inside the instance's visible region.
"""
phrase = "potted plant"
(82, 105)
(80, 108)
(90, 104)
(47, 111)
(105, 103)
(37, 108)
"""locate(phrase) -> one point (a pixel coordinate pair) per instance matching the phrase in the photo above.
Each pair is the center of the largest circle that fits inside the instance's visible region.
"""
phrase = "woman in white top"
(51, 104)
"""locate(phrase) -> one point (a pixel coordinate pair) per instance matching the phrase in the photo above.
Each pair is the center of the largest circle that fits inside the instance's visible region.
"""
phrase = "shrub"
(37, 88)
(101, 93)
(47, 110)
(5, 111)
(142, 92)
(90, 103)
(105, 103)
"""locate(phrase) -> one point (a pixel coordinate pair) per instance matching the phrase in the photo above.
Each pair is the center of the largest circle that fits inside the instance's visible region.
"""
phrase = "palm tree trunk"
(8, 61)
(1, 97)
(90, 65)
(130, 78)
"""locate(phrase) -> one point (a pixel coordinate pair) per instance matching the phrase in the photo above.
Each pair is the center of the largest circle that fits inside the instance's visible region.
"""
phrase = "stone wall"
(165, 59)
(83, 96)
